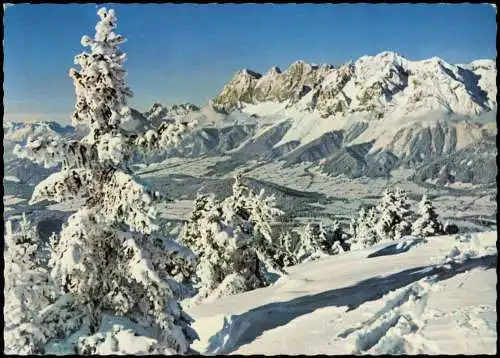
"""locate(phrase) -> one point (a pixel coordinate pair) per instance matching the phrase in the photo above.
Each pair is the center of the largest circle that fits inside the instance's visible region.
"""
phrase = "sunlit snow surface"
(432, 296)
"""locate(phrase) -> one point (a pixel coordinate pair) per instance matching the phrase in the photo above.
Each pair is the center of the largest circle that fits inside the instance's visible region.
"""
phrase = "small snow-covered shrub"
(310, 246)
(31, 295)
(363, 232)
(427, 223)
(393, 215)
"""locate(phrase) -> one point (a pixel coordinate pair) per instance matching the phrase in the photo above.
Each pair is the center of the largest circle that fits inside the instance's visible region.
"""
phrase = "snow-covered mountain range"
(21, 169)
(363, 118)
(20, 131)
(159, 113)
(382, 85)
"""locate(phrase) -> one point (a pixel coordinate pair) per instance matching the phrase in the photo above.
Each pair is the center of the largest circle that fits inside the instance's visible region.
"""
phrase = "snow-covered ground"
(432, 296)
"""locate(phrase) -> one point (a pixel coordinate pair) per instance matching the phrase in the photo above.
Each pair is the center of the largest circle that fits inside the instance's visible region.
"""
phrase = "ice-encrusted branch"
(65, 185)
(167, 135)
(125, 200)
(51, 150)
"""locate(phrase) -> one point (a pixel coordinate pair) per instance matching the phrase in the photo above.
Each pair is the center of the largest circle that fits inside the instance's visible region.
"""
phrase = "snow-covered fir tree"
(227, 237)
(353, 229)
(363, 229)
(324, 237)
(28, 290)
(191, 231)
(103, 256)
(214, 245)
(236, 209)
(310, 246)
(252, 216)
(218, 248)
(263, 215)
(331, 238)
(287, 247)
(394, 215)
(427, 223)
(335, 237)
(367, 233)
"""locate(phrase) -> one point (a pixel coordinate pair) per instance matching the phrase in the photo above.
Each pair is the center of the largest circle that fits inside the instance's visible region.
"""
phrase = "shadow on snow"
(242, 329)
(398, 248)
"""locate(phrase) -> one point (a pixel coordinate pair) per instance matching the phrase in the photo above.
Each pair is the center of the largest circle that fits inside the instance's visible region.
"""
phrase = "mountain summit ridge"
(376, 84)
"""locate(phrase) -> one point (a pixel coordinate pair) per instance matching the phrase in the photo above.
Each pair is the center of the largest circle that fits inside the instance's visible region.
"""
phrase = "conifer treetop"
(100, 84)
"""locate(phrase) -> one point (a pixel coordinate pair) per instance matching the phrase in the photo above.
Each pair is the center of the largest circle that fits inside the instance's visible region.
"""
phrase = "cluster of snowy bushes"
(239, 244)
(392, 219)
(233, 242)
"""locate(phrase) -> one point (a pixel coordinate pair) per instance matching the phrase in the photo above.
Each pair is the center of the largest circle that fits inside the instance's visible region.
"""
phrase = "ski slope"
(418, 296)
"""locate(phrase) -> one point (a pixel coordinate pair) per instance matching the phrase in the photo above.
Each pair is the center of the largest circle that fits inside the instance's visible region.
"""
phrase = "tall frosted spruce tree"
(103, 256)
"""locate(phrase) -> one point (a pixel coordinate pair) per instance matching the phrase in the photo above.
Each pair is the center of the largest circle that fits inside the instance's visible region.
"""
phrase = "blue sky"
(187, 52)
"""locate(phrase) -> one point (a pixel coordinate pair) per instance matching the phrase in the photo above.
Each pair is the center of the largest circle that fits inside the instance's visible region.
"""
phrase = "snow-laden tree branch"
(51, 150)
(127, 201)
(68, 184)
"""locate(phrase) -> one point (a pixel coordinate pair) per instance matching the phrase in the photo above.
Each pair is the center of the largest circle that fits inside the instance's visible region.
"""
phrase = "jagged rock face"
(330, 97)
(299, 79)
(251, 87)
(159, 113)
(486, 71)
(240, 89)
(268, 88)
(379, 85)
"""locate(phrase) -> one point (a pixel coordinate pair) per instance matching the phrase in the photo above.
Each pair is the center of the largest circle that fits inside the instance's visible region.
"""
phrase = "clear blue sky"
(180, 53)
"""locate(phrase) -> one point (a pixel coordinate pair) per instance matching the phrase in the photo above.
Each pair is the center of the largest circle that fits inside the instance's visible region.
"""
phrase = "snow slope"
(432, 296)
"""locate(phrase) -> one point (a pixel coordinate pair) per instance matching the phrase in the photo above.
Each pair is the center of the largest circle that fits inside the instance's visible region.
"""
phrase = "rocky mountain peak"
(249, 73)
(275, 70)
(299, 68)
